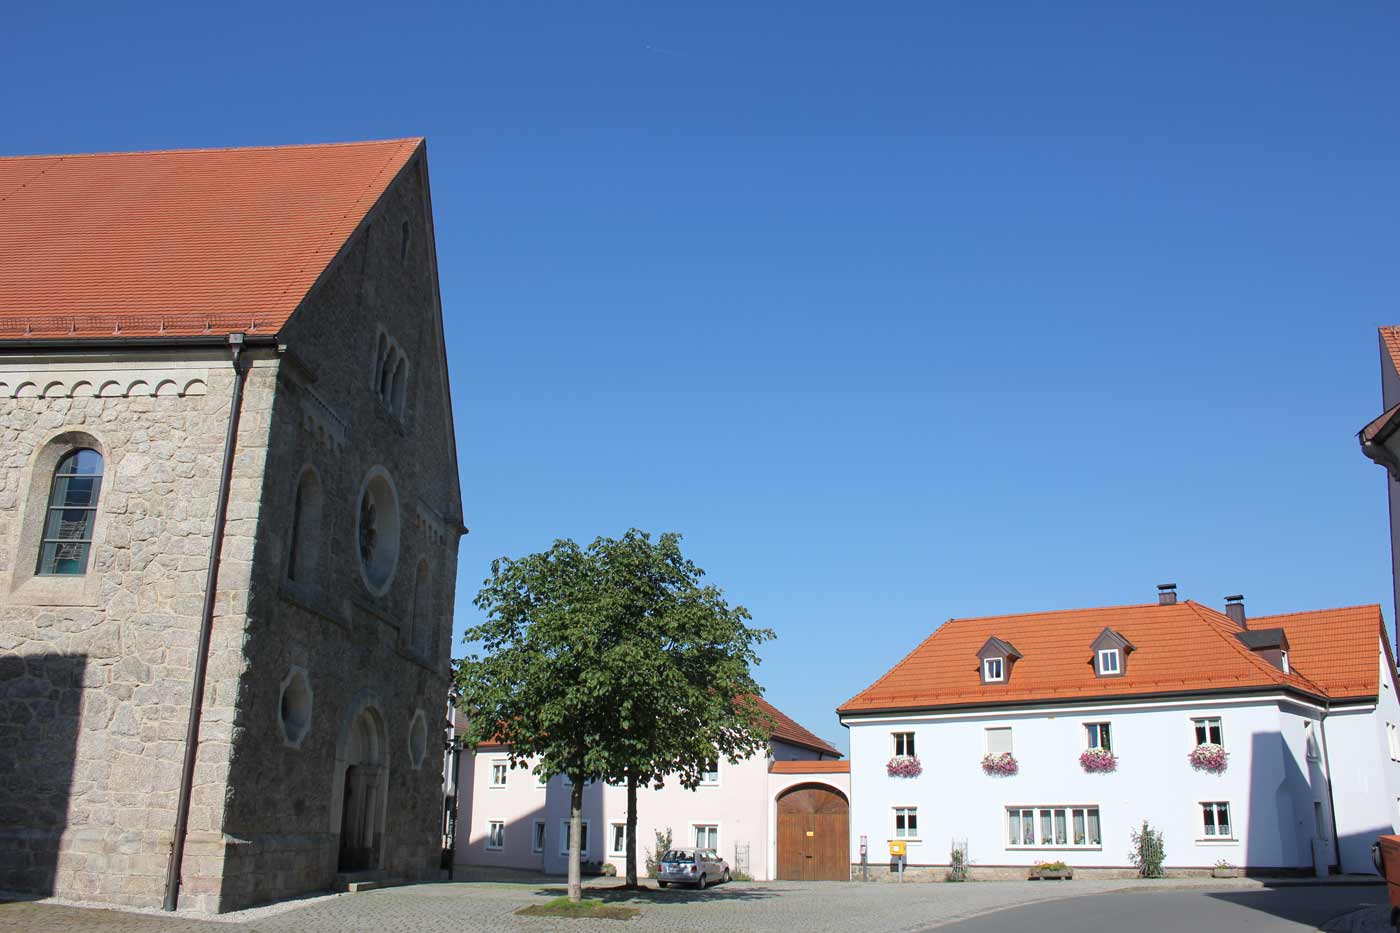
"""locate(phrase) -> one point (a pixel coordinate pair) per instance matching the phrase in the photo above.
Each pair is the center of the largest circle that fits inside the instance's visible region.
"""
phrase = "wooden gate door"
(813, 835)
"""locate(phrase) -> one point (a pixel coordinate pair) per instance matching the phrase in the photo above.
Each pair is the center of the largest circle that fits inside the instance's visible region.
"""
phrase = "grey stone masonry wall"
(376, 656)
(95, 669)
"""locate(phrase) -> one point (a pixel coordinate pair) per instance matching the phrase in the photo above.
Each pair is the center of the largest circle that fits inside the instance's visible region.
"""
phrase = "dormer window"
(1283, 661)
(996, 659)
(1110, 654)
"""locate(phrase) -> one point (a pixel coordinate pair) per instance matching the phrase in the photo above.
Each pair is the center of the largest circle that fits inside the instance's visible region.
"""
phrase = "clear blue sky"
(898, 311)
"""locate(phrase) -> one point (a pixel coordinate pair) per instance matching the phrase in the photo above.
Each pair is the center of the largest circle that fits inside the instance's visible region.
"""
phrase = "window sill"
(496, 786)
(495, 848)
(1218, 841)
(1098, 848)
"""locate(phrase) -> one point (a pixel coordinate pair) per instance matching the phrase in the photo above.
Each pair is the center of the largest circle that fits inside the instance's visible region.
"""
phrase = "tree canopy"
(613, 662)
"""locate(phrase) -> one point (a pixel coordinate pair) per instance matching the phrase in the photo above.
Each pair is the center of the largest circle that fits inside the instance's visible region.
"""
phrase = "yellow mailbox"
(897, 847)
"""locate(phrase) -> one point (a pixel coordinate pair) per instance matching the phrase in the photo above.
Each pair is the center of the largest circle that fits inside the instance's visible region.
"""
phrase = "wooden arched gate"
(814, 842)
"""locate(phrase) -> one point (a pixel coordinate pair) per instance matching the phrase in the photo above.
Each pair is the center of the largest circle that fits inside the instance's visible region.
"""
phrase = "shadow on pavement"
(1295, 903)
(648, 895)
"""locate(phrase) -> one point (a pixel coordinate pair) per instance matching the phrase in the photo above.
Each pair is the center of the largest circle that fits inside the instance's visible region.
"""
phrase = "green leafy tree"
(611, 662)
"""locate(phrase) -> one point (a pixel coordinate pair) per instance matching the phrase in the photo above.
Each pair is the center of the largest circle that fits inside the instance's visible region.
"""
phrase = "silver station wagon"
(699, 867)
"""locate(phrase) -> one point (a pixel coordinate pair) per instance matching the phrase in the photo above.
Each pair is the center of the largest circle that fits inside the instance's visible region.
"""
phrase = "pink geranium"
(1098, 761)
(1209, 757)
(1003, 765)
(906, 766)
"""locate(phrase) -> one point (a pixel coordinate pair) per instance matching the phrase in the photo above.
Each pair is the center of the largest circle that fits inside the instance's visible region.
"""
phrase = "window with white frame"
(1097, 735)
(498, 773)
(710, 773)
(999, 740)
(1283, 661)
(564, 838)
(906, 822)
(537, 837)
(617, 839)
(1209, 731)
(992, 670)
(1310, 741)
(1215, 820)
(1053, 827)
(1392, 738)
(904, 744)
(706, 836)
(495, 835)
(1110, 661)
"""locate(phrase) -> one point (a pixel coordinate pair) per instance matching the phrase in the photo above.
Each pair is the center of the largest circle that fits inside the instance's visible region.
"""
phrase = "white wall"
(1365, 779)
(1269, 784)
(739, 804)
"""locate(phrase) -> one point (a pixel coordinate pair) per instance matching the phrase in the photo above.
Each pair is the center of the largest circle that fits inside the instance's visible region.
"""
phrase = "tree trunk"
(632, 829)
(575, 842)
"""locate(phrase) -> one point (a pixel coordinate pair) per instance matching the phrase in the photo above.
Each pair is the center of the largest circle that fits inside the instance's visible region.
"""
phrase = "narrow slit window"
(72, 511)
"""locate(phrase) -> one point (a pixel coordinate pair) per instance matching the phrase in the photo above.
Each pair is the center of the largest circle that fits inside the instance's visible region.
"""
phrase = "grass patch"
(586, 909)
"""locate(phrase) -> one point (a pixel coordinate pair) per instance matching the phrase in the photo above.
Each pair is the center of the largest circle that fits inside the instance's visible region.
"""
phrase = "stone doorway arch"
(360, 794)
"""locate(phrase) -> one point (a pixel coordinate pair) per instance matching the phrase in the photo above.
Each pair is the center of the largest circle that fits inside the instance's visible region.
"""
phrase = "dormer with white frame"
(1110, 654)
(995, 661)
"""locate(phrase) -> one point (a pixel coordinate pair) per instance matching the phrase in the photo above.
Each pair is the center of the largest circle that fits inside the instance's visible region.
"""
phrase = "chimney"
(1166, 594)
(1234, 608)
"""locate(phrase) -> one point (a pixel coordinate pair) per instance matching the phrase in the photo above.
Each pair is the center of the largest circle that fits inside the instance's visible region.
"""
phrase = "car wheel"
(724, 878)
(662, 884)
(700, 885)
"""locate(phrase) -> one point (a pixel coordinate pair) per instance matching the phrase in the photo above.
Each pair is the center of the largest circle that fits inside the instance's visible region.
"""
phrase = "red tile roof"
(787, 730)
(178, 243)
(810, 767)
(1338, 649)
(1180, 648)
(1390, 336)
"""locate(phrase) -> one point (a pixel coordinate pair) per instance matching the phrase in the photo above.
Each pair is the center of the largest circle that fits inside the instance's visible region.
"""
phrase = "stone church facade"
(137, 291)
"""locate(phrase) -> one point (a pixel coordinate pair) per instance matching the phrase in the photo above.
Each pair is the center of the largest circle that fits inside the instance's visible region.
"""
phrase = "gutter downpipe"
(1331, 800)
(206, 627)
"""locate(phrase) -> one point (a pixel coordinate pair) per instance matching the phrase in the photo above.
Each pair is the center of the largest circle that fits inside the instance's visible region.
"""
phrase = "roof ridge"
(1052, 612)
(1306, 612)
(197, 149)
(1216, 625)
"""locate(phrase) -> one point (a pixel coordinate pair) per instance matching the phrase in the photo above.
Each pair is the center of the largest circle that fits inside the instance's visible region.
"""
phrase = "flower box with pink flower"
(905, 766)
(1002, 765)
(1209, 757)
(1098, 761)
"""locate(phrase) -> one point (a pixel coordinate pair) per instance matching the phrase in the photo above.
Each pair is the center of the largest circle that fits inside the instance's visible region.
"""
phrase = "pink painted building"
(508, 818)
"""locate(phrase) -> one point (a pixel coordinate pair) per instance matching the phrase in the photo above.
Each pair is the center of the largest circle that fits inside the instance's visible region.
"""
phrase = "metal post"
(206, 626)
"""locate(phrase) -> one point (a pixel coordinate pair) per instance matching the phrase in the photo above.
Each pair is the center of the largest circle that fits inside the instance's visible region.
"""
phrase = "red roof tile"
(1180, 648)
(809, 767)
(178, 243)
(787, 730)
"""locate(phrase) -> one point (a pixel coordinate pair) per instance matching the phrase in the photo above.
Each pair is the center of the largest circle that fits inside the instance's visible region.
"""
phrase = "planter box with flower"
(1224, 869)
(906, 766)
(1098, 761)
(1051, 871)
(1003, 765)
(1209, 757)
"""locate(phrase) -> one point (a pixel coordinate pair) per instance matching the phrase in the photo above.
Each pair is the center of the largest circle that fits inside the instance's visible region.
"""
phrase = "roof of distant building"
(1179, 648)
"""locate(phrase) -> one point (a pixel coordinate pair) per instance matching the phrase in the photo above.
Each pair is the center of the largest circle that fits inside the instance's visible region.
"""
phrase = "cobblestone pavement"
(475, 907)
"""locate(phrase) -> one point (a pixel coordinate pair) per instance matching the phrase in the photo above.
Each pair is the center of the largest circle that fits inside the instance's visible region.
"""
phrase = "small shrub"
(1223, 865)
(740, 876)
(663, 843)
(1149, 852)
(1051, 866)
(958, 869)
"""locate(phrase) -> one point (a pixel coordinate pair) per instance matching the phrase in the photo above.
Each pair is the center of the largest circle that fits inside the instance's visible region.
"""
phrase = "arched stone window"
(389, 378)
(304, 552)
(400, 389)
(423, 631)
(66, 543)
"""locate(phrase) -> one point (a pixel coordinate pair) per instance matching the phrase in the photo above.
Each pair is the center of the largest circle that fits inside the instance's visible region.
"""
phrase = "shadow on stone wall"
(40, 704)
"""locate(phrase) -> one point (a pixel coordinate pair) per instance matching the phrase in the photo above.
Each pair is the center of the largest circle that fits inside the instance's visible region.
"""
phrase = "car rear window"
(676, 855)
